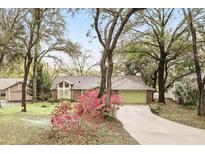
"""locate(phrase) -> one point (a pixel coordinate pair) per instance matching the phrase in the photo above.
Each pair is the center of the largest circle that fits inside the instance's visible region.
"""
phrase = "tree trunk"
(154, 78)
(24, 84)
(1, 60)
(109, 78)
(161, 83)
(34, 77)
(103, 74)
(200, 103)
(154, 83)
(23, 104)
(161, 66)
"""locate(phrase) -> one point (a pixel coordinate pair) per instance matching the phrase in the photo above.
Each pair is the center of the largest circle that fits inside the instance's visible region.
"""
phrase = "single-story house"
(132, 89)
(11, 90)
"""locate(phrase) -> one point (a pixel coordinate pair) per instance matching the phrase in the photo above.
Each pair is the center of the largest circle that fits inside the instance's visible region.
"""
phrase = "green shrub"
(155, 108)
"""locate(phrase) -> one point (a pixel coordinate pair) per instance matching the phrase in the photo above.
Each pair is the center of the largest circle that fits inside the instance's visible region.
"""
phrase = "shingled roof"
(78, 82)
(8, 82)
(129, 83)
(89, 82)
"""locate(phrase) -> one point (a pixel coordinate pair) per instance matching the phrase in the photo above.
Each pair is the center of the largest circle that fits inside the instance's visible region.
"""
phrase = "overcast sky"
(76, 28)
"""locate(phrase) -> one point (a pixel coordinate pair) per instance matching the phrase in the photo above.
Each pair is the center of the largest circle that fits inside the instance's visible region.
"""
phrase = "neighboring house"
(131, 88)
(169, 94)
(11, 90)
(187, 81)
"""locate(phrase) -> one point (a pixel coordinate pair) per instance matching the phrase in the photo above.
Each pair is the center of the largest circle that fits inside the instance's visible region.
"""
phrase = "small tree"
(80, 63)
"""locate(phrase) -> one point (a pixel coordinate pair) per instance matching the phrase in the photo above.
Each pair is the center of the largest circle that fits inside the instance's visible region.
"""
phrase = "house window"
(61, 85)
(2, 94)
(66, 84)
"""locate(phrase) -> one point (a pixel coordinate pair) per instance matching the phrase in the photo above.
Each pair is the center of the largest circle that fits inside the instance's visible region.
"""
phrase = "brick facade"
(54, 94)
(76, 93)
(115, 92)
(149, 96)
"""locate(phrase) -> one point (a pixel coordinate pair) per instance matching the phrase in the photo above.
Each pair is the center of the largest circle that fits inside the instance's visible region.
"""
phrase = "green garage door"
(130, 96)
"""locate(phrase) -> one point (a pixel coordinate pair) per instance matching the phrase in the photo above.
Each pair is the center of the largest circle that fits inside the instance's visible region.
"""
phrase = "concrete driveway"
(148, 128)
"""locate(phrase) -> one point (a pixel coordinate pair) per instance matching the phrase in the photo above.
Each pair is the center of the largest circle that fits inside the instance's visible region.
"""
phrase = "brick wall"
(149, 96)
(76, 93)
(54, 94)
(115, 92)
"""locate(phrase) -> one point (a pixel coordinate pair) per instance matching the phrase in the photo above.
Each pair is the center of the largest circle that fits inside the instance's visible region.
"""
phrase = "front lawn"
(33, 127)
(182, 114)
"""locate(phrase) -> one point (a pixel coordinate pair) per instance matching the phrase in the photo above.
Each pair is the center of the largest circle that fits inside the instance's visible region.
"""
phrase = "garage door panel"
(133, 96)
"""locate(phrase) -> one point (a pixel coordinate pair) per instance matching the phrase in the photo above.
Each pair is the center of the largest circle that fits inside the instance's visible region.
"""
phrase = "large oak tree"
(164, 39)
(109, 24)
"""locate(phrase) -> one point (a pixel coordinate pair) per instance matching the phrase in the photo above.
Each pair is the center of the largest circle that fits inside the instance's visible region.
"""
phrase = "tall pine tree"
(43, 84)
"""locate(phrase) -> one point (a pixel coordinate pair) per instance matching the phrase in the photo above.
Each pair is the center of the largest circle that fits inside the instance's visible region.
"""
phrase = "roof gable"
(8, 82)
(129, 83)
(79, 82)
(65, 81)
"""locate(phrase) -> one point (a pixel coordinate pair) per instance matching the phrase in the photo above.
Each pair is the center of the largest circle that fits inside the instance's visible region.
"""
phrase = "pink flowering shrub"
(64, 118)
(88, 109)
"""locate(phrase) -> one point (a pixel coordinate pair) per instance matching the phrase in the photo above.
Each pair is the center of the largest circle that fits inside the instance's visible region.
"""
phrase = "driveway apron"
(148, 128)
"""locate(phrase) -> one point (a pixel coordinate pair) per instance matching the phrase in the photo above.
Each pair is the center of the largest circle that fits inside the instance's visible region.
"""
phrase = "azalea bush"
(64, 117)
(90, 105)
(88, 109)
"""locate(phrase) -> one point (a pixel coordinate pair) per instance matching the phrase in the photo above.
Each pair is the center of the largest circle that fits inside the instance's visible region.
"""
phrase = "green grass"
(13, 127)
(32, 108)
(33, 127)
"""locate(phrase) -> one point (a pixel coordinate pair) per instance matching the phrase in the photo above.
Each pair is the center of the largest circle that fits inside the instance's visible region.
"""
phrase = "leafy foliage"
(132, 61)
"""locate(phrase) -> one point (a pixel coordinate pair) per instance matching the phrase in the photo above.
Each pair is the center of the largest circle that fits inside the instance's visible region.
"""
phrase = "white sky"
(76, 29)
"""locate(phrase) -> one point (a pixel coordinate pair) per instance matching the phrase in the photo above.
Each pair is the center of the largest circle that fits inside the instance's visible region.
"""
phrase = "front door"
(64, 93)
(67, 93)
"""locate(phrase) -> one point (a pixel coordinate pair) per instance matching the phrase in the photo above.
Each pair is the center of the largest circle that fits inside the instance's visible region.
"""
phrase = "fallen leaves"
(182, 114)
